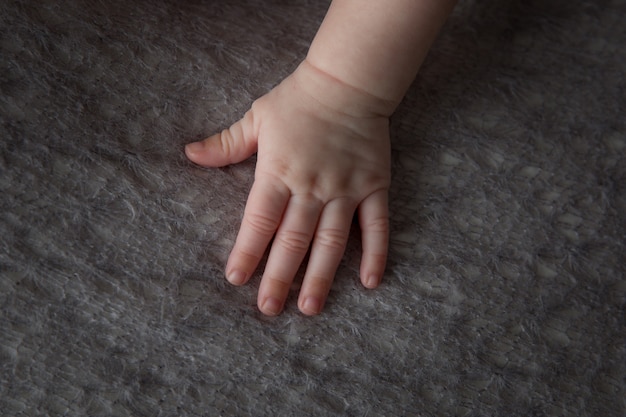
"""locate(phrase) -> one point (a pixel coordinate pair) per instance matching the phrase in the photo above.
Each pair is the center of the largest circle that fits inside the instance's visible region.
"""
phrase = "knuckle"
(377, 258)
(278, 284)
(377, 224)
(232, 138)
(226, 142)
(334, 239)
(294, 242)
(319, 283)
(261, 224)
(249, 254)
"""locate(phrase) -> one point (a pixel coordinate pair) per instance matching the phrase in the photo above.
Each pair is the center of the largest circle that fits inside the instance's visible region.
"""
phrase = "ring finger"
(328, 248)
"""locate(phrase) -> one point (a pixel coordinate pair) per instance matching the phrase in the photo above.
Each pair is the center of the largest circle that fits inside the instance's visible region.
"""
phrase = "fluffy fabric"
(505, 291)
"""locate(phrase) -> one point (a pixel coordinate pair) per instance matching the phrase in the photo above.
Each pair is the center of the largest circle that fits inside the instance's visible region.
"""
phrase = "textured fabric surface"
(504, 293)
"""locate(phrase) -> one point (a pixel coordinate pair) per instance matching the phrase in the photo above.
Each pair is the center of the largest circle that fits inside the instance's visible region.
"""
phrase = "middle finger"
(288, 250)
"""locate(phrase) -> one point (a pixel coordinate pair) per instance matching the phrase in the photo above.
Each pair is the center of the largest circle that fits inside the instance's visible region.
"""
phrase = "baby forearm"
(377, 46)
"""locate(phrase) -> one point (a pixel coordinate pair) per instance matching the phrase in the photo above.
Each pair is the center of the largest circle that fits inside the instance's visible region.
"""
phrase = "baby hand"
(322, 154)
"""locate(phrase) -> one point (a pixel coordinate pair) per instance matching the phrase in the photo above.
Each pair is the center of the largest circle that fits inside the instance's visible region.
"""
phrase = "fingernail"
(371, 281)
(236, 277)
(311, 305)
(271, 306)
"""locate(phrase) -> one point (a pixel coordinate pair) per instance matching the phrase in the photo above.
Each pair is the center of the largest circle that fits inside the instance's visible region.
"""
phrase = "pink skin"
(322, 140)
(318, 162)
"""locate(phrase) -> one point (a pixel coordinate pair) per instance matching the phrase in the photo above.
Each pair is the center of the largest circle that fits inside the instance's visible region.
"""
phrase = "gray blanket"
(504, 292)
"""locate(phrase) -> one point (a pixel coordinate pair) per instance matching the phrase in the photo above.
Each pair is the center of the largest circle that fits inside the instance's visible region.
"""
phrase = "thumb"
(231, 146)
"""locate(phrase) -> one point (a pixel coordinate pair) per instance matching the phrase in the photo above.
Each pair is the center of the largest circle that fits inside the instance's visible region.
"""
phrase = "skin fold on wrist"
(339, 95)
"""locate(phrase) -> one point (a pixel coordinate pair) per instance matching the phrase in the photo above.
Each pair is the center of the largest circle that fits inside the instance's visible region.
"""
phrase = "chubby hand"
(322, 154)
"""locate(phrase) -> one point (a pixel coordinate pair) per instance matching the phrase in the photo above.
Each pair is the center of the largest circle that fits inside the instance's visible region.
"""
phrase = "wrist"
(340, 95)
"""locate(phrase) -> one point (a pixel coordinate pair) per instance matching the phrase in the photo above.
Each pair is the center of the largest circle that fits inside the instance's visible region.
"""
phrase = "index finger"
(264, 209)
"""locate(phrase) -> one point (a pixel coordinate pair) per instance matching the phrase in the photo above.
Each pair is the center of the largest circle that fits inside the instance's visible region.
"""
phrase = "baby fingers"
(266, 203)
(328, 247)
(230, 146)
(374, 222)
(289, 248)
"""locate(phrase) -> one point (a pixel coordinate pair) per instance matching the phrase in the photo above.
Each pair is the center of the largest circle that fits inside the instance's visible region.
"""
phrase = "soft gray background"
(505, 290)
